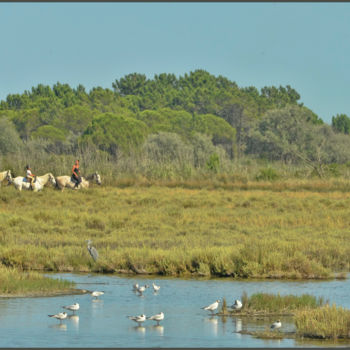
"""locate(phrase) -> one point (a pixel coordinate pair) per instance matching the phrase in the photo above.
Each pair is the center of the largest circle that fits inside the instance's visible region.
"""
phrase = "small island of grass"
(314, 318)
(264, 304)
(17, 283)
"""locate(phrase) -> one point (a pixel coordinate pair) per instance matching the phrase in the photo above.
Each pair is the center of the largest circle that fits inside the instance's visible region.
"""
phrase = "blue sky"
(305, 45)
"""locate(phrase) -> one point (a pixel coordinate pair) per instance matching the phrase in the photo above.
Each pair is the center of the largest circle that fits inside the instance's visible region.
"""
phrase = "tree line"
(200, 116)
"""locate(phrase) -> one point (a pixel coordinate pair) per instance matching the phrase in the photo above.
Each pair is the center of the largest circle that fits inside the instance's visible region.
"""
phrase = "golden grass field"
(276, 231)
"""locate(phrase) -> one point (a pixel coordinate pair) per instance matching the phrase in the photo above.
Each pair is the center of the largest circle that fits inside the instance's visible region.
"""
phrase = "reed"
(327, 322)
(271, 303)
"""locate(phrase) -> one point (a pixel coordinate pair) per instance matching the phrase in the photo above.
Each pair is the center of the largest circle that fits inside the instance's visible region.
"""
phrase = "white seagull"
(96, 293)
(138, 319)
(60, 316)
(74, 307)
(237, 305)
(276, 325)
(155, 287)
(159, 317)
(141, 289)
(212, 307)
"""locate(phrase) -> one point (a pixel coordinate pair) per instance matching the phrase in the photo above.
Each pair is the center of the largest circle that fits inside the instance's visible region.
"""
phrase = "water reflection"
(159, 329)
(61, 327)
(213, 322)
(238, 325)
(75, 320)
(139, 329)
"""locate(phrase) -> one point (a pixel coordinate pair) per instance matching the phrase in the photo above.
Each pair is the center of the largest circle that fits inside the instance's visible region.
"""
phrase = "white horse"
(95, 177)
(66, 181)
(21, 182)
(6, 175)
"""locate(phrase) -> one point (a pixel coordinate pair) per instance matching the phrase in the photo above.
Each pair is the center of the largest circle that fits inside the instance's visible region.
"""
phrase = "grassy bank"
(14, 282)
(178, 231)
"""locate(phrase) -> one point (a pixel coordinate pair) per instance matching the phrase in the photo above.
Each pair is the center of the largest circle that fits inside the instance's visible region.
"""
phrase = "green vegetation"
(178, 231)
(215, 126)
(271, 304)
(15, 282)
(327, 322)
(313, 317)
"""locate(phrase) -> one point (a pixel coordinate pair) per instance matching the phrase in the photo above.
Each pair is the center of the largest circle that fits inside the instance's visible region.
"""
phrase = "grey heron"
(92, 250)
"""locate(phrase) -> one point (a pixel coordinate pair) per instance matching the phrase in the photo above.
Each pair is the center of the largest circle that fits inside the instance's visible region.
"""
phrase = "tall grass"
(16, 282)
(272, 303)
(177, 231)
(326, 322)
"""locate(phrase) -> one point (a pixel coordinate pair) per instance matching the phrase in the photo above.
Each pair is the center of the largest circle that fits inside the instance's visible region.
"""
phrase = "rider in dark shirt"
(76, 174)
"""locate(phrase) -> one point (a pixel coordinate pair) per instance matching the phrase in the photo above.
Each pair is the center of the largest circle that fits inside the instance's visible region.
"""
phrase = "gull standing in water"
(158, 317)
(60, 316)
(135, 287)
(141, 289)
(276, 325)
(155, 288)
(138, 319)
(96, 294)
(74, 307)
(212, 307)
(237, 305)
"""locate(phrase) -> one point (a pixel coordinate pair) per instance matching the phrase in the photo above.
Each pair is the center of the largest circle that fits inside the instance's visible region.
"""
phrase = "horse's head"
(97, 178)
(9, 176)
(52, 179)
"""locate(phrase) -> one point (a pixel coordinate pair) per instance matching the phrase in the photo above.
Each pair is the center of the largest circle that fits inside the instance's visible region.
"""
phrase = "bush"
(267, 174)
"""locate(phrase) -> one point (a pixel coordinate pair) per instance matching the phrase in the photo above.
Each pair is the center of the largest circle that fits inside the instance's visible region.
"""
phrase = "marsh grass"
(177, 231)
(276, 303)
(16, 282)
(327, 322)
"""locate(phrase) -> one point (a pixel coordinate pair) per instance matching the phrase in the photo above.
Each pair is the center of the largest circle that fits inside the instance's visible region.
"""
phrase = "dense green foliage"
(126, 120)
(341, 123)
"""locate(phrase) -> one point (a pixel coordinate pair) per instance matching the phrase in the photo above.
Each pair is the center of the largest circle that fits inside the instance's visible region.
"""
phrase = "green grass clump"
(327, 322)
(16, 282)
(271, 303)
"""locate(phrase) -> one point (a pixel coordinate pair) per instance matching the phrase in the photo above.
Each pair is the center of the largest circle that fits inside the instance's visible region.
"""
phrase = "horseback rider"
(30, 176)
(76, 174)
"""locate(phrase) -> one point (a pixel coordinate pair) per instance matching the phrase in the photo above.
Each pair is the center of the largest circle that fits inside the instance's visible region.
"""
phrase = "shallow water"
(104, 322)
